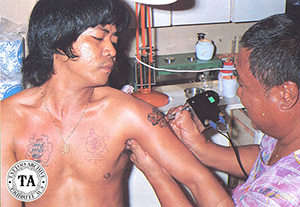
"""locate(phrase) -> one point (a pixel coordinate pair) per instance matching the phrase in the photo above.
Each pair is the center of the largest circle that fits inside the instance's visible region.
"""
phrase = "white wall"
(17, 11)
(182, 39)
(169, 40)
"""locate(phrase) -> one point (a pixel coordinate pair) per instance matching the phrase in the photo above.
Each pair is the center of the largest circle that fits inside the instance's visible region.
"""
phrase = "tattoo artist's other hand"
(186, 125)
(143, 160)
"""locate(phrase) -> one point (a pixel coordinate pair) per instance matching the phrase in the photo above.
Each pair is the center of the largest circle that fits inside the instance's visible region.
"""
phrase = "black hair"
(55, 25)
(274, 43)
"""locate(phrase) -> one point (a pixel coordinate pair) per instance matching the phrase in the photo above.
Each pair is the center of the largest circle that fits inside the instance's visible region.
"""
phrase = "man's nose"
(109, 50)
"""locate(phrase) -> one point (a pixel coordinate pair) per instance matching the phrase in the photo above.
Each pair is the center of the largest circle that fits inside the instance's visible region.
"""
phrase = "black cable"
(235, 151)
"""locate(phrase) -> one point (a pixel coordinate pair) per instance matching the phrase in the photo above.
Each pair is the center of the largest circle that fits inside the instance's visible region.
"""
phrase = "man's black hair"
(274, 43)
(56, 24)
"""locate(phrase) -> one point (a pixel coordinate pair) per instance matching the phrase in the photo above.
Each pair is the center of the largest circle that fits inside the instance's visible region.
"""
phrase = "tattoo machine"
(205, 107)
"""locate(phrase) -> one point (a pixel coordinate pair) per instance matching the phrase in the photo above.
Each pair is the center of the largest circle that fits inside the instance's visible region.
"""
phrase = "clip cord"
(234, 147)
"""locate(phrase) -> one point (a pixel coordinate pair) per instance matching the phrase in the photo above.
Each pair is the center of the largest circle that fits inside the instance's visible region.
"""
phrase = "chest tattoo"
(39, 149)
(157, 118)
(95, 146)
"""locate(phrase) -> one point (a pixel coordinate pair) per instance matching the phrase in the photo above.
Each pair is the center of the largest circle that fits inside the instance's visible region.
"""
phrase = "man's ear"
(290, 95)
(61, 55)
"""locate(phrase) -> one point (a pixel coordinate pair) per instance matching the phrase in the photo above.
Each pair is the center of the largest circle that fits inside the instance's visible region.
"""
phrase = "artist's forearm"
(210, 154)
(168, 191)
(223, 158)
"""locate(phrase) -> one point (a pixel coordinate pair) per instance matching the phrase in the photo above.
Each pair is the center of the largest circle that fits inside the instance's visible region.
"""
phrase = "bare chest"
(92, 154)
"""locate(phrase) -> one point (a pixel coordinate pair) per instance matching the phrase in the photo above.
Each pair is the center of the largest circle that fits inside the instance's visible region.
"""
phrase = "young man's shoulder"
(15, 110)
(122, 106)
(25, 98)
(121, 99)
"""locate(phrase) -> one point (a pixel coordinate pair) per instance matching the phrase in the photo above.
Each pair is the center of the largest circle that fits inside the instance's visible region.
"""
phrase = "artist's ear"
(290, 95)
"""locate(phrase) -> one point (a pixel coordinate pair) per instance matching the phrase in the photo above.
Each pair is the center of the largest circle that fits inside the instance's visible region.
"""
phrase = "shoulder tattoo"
(39, 149)
(157, 118)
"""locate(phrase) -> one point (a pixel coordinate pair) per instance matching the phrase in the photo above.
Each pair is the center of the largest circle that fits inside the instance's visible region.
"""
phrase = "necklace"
(65, 148)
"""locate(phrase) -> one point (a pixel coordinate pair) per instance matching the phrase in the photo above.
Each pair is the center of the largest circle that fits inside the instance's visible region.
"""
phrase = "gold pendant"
(65, 148)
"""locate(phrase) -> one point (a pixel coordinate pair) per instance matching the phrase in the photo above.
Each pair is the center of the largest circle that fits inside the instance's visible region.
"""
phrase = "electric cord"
(236, 152)
(179, 71)
(227, 136)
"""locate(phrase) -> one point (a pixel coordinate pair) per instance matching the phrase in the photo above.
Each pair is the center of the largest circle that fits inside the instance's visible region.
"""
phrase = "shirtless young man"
(73, 124)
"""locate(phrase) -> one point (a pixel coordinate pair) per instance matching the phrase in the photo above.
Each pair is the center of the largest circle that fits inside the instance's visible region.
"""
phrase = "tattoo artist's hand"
(185, 124)
(143, 160)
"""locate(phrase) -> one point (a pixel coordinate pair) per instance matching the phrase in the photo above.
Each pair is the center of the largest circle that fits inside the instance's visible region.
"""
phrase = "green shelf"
(182, 62)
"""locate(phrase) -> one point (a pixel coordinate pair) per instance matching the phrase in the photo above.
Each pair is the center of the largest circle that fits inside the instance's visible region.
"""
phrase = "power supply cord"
(227, 136)
(235, 149)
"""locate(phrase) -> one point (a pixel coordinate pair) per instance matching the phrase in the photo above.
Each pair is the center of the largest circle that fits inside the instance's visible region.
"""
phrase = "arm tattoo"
(39, 149)
(157, 118)
(95, 146)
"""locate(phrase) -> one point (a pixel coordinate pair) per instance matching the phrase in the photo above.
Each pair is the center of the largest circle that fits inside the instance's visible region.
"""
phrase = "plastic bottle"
(222, 73)
(204, 48)
(11, 55)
